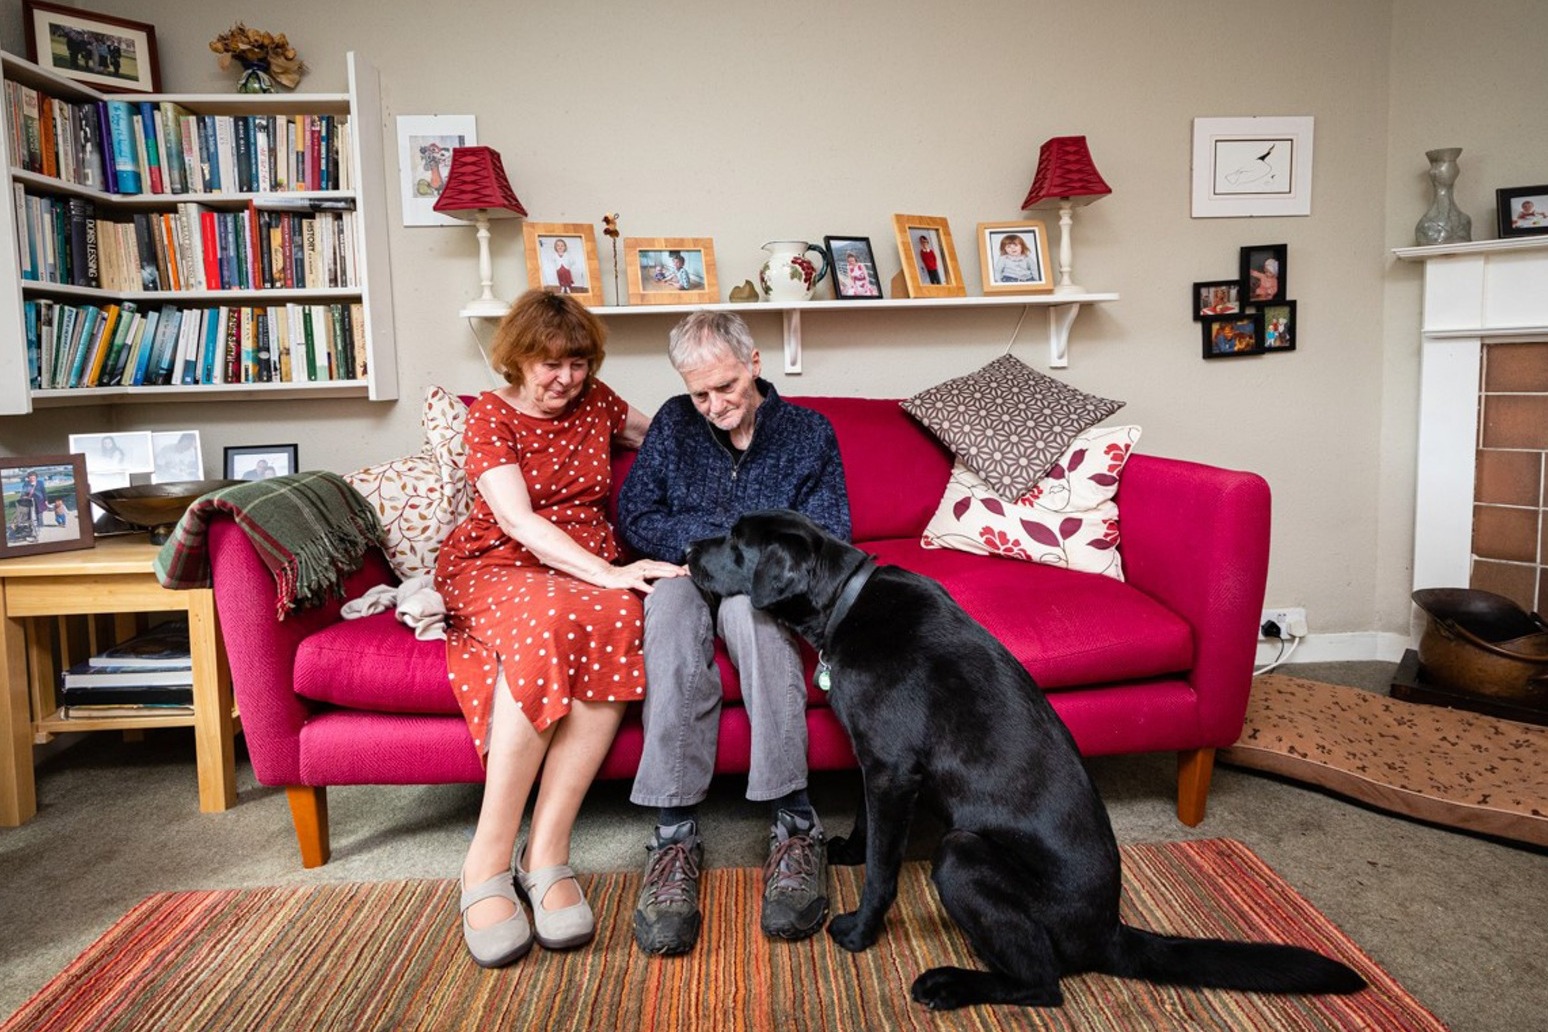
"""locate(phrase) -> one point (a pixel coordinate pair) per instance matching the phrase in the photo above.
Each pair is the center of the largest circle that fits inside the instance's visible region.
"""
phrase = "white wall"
(748, 124)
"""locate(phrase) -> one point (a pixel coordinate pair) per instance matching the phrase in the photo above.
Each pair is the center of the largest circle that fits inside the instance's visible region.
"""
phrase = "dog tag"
(824, 678)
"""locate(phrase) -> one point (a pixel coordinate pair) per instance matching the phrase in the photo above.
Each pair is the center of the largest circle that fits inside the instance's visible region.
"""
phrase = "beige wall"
(719, 120)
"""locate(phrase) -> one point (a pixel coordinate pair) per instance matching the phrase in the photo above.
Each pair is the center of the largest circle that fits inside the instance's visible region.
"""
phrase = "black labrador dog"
(936, 707)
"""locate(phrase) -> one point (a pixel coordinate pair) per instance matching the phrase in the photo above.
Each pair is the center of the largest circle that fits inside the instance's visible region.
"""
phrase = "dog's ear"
(776, 578)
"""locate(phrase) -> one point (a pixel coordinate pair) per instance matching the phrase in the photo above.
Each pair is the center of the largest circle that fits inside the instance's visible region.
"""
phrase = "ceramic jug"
(788, 275)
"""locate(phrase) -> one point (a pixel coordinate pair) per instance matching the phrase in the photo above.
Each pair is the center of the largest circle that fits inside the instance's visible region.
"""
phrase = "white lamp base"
(485, 308)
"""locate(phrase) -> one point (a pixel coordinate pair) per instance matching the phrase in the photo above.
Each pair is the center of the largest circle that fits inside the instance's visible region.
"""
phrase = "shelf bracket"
(1060, 318)
(792, 341)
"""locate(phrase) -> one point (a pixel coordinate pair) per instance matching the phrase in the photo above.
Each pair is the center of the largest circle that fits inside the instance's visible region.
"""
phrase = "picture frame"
(43, 498)
(104, 51)
(1251, 167)
(1512, 220)
(1234, 335)
(425, 143)
(1280, 328)
(860, 281)
(1216, 297)
(178, 456)
(562, 258)
(923, 239)
(1265, 273)
(657, 278)
(110, 458)
(1013, 257)
(255, 461)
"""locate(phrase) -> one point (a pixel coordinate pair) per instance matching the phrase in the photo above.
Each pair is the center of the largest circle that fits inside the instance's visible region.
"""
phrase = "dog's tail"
(1221, 964)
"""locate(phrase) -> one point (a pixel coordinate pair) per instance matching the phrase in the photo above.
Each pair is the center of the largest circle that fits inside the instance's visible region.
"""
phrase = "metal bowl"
(156, 507)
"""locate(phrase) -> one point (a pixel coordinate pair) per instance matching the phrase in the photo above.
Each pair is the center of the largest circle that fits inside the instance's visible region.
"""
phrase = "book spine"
(234, 346)
(105, 148)
(126, 165)
(152, 147)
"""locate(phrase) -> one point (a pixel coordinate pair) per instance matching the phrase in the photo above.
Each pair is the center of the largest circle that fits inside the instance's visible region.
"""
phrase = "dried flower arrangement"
(610, 229)
(264, 53)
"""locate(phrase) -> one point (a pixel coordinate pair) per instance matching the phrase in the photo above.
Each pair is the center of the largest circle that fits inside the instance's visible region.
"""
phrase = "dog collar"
(847, 595)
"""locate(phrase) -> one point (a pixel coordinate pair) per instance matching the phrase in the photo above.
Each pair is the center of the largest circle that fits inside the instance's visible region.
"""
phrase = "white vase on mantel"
(788, 274)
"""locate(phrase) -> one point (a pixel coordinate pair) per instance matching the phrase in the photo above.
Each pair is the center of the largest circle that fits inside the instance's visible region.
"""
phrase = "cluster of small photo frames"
(1249, 315)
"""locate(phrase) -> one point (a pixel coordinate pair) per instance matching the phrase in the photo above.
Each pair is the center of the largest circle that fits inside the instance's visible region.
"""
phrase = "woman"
(543, 638)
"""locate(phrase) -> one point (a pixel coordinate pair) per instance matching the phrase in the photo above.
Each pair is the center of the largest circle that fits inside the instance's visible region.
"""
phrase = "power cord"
(1270, 629)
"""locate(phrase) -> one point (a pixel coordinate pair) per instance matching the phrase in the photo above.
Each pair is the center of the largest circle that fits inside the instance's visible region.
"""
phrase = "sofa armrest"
(1196, 538)
(261, 649)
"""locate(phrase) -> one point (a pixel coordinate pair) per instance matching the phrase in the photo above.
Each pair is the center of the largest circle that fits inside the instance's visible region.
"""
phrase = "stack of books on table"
(149, 675)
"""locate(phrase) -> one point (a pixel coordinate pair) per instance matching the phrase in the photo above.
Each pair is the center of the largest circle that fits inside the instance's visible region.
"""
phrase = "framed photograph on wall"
(1265, 273)
(1216, 297)
(261, 461)
(1231, 336)
(1246, 167)
(112, 54)
(1522, 210)
(562, 257)
(929, 258)
(1279, 326)
(425, 143)
(43, 499)
(1013, 257)
(852, 265)
(671, 270)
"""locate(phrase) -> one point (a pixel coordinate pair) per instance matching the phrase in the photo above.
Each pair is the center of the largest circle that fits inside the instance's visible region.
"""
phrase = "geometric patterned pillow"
(1007, 422)
(1067, 519)
(420, 498)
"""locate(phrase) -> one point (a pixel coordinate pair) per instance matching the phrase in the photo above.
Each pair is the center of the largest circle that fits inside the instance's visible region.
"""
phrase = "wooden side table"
(113, 577)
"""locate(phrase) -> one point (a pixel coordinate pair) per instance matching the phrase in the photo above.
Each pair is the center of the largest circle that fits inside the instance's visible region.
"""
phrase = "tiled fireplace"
(1510, 530)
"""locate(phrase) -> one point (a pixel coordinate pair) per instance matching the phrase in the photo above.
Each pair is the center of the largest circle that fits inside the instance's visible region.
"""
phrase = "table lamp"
(477, 190)
(1066, 173)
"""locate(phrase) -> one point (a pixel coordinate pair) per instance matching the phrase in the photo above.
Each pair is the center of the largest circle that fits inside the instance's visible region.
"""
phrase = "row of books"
(151, 673)
(123, 345)
(192, 247)
(160, 147)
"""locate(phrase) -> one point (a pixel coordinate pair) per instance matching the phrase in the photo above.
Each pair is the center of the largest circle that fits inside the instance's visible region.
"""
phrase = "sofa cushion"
(1067, 628)
(1068, 518)
(374, 663)
(1007, 422)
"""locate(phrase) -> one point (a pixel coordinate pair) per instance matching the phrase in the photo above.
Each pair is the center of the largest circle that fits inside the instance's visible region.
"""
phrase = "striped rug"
(389, 956)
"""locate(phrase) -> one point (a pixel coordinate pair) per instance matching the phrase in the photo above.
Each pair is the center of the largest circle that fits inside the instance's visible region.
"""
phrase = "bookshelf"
(216, 290)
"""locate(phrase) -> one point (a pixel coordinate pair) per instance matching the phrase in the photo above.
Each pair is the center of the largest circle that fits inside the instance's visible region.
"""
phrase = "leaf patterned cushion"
(420, 498)
(1068, 518)
(1007, 422)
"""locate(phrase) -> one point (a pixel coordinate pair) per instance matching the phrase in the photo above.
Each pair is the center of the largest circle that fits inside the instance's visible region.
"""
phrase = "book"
(163, 647)
(88, 675)
(90, 711)
(121, 120)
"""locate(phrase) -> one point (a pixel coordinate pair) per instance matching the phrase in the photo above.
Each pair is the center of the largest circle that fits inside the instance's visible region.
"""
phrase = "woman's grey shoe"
(560, 929)
(502, 943)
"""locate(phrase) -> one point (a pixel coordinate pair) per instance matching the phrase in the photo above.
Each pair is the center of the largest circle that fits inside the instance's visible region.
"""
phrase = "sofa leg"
(309, 813)
(1194, 767)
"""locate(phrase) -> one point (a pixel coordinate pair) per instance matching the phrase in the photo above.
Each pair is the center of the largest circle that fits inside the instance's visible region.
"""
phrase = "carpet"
(390, 956)
(1459, 769)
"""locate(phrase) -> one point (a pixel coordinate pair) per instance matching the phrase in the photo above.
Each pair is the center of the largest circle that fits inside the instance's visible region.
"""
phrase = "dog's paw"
(846, 930)
(940, 989)
(947, 988)
(845, 851)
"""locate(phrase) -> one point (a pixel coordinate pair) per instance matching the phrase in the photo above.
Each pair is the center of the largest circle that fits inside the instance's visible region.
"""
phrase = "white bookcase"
(371, 285)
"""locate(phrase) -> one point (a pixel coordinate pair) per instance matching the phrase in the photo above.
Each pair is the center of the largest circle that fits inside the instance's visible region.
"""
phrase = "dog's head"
(783, 562)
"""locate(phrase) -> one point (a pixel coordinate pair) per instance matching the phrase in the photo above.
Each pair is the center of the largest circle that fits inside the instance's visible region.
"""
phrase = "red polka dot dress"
(557, 637)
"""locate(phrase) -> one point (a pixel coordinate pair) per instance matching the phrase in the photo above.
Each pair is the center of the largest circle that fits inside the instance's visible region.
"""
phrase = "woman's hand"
(638, 575)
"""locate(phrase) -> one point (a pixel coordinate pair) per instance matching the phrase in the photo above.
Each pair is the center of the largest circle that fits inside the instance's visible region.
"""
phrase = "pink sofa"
(1161, 662)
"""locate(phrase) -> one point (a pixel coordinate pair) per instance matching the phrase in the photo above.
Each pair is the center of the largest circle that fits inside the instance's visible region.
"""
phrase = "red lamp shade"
(477, 182)
(1064, 170)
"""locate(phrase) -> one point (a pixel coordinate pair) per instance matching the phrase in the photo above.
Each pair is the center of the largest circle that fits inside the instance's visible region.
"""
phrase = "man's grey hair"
(703, 336)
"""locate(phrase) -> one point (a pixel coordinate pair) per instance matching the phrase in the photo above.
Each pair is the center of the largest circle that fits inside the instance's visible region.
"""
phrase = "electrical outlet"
(1290, 621)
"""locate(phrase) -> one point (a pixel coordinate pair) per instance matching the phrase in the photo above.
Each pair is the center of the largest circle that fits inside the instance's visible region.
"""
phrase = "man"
(727, 447)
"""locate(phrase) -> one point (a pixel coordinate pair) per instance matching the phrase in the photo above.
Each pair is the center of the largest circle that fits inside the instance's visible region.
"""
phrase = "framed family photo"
(853, 268)
(1231, 336)
(671, 270)
(1013, 257)
(1279, 326)
(261, 461)
(1216, 297)
(114, 456)
(43, 499)
(929, 258)
(425, 143)
(1246, 167)
(112, 54)
(178, 456)
(1265, 272)
(562, 258)
(1522, 210)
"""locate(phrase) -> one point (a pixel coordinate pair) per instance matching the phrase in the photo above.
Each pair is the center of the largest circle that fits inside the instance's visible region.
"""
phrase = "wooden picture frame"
(1013, 257)
(1232, 336)
(1216, 297)
(1512, 220)
(54, 523)
(112, 54)
(671, 270)
(920, 237)
(1280, 328)
(860, 281)
(253, 461)
(1265, 273)
(562, 258)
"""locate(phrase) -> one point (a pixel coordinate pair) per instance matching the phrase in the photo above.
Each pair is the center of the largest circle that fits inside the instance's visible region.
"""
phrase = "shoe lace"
(792, 863)
(673, 871)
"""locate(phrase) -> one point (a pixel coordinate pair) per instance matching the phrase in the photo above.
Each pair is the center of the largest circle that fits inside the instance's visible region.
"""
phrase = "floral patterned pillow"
(1007, 422)
(1068, 518)
(420, 498)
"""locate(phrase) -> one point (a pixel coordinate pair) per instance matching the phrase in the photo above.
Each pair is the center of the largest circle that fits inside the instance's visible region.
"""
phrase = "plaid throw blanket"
(310, 528)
